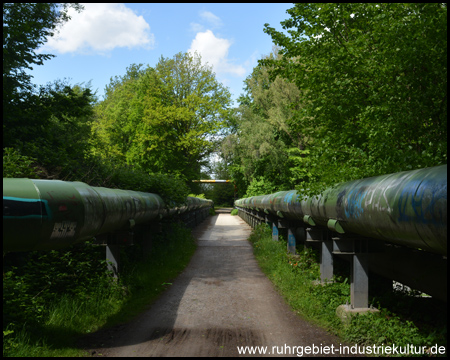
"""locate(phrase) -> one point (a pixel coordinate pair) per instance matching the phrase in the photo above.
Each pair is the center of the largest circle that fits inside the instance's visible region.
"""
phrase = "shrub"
(16, 165)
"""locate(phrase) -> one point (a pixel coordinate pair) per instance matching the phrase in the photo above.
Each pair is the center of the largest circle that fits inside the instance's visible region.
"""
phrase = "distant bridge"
(213, 181)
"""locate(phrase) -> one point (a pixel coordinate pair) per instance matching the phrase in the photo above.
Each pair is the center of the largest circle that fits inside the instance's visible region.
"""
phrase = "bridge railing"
(395, 224)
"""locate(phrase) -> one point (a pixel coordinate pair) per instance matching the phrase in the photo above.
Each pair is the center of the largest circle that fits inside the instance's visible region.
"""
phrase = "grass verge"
(402, 320)
(67, 317)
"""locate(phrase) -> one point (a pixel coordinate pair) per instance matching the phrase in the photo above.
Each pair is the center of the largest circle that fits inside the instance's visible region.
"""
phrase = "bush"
(51, 298)
(16, 165)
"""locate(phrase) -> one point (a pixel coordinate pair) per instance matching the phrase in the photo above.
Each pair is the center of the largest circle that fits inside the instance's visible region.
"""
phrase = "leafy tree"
(26, 26)
(50, 123)
(163, 119)
(120, 113)
(261, 186)
(375, 77)
(268, 143)
(16, 165)
(54, 127)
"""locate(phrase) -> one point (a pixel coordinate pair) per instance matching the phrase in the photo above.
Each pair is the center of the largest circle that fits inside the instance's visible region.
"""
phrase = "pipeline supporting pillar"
(357, 249)
(359, 280)
(314, 235)
(113, 258)
(244, 215)
(254, 219)
(268, 220)
(261, 218)
(291, 241)
(113, 241)
(326, 261)
(275, 231)
(282, 224)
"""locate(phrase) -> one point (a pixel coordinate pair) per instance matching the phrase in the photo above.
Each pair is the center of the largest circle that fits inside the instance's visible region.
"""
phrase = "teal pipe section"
(51, 214)
(407, 208)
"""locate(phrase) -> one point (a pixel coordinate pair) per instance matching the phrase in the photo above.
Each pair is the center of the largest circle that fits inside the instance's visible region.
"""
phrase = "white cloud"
(215, 51)
(99, 28)
(211, 18)
(208, 17)
(195, 27)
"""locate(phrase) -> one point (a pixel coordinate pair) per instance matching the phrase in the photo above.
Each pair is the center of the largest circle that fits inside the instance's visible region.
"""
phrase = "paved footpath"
(220, 301)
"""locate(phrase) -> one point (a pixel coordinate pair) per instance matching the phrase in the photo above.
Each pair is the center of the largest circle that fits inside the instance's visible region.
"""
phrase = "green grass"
(401, 320)
(69, 316)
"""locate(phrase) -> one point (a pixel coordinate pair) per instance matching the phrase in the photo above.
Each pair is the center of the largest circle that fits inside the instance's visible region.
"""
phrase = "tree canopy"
(373, 79)
(26, 26)
(351, 91)
(49, 123)
(163, 119)
(264, 151)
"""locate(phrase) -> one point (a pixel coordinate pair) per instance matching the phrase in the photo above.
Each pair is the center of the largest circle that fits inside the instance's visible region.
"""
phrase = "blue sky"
(104, 39)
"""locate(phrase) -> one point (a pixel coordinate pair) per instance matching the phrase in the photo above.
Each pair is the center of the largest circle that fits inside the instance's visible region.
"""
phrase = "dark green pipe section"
(51, 214)
(407, 208)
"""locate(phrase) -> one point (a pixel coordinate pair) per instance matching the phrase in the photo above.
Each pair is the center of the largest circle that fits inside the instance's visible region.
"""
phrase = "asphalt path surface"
(220, 302)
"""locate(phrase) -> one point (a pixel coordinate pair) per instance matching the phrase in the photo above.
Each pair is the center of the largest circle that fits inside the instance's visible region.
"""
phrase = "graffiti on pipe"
(424, 200)
(63, 229)
(18, 208)
(354, 203)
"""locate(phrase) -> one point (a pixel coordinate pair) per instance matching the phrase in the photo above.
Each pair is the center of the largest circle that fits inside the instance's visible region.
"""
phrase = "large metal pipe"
(51, 214)
(407, 208)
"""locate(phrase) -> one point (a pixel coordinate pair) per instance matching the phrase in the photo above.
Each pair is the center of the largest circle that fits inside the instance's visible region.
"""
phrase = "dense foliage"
(370, 98)
(163, 119)
(16, 165)
(50, 123)
(264, 153)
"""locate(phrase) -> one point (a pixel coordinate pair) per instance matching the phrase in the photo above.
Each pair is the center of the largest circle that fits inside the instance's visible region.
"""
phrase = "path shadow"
(210, 266)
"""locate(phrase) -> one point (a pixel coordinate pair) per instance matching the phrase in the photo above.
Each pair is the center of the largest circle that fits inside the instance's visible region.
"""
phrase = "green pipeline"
(51, 214)
(408, 208)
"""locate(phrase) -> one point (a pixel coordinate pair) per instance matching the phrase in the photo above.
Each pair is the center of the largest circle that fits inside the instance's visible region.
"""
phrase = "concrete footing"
(345, 312)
